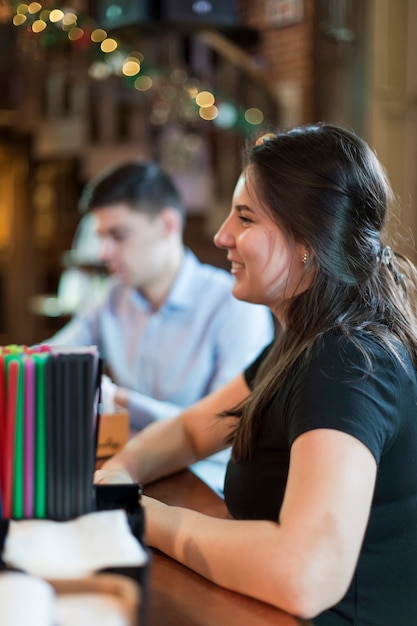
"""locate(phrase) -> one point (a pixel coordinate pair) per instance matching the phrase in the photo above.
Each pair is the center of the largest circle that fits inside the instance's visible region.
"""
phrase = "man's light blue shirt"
(198, 340)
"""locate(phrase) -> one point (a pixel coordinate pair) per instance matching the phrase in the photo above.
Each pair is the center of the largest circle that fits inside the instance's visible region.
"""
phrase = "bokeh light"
(34, 7)
(98, 35)
(254, 116)
(108, 45)
(143, 83)
(131, 67)
(227, 115)
(205, 99)
(56, 15)
(208, 113)
(38, 26)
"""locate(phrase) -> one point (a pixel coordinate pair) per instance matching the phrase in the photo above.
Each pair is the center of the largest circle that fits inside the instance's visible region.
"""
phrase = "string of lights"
(61, 25)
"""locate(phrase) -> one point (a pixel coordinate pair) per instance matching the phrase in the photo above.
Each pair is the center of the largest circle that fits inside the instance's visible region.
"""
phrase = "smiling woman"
(322, 483)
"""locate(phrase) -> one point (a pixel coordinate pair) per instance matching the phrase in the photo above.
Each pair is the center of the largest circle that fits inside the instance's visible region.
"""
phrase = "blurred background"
(87, 84)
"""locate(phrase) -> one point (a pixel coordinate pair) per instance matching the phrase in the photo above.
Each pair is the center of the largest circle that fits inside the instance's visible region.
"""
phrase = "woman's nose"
(223, 238)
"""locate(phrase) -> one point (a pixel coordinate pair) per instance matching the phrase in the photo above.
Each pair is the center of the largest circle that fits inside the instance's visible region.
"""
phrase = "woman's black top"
(377, 404)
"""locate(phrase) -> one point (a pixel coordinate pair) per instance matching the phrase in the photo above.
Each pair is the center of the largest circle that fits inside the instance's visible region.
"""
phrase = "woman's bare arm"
(304, 563)
(169, 445)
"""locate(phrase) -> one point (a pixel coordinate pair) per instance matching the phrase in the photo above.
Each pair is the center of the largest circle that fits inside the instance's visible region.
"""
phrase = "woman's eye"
(245, 220)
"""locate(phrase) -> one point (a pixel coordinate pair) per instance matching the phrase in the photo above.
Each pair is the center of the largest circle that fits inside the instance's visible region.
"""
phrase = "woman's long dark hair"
(326, 188)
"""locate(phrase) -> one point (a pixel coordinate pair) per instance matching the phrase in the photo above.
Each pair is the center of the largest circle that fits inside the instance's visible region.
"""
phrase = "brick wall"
(288, 55)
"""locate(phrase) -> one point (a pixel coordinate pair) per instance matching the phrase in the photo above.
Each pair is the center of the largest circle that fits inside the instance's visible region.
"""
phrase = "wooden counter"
(178, 596)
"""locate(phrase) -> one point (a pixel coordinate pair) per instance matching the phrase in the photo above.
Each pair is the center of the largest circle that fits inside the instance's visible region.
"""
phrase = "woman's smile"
(237, 267)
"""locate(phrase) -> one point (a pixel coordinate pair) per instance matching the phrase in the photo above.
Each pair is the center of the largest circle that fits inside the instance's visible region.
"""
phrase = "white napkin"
(75, 548)
(25, 600)
(74, 609)
(108, 394)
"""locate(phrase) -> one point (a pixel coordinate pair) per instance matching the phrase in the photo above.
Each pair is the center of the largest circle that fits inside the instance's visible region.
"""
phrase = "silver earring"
(304, 258)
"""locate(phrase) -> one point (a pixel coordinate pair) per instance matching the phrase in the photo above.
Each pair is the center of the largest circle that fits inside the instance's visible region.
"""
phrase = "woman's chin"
(243, 294)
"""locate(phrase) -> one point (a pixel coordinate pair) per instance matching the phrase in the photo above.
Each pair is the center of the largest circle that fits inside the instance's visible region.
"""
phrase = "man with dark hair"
(169, 329)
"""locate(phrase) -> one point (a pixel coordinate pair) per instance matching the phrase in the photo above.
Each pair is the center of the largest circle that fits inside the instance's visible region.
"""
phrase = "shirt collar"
(181, 295)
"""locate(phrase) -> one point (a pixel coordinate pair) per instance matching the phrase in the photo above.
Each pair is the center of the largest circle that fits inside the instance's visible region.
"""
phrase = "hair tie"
(386, 255)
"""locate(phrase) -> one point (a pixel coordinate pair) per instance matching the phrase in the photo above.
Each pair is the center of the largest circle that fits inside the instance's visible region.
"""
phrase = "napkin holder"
(109, 497)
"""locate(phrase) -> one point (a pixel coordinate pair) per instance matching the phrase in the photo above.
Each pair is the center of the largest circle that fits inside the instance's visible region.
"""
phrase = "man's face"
(131, 243)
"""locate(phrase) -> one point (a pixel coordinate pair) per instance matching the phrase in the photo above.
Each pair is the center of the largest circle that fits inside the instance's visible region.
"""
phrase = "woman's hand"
(112, 476)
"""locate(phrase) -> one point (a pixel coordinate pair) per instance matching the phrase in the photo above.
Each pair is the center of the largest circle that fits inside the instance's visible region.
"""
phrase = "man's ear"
(171, 221)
